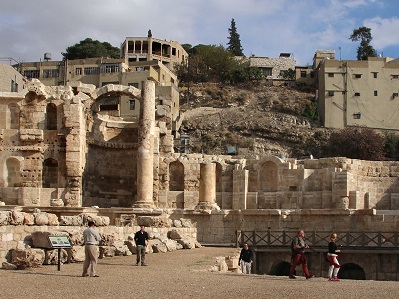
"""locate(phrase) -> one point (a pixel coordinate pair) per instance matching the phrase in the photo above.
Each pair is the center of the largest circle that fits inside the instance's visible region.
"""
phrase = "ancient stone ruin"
(62, 153)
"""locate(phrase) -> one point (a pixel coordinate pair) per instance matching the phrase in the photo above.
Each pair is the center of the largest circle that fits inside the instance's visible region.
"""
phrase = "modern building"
(362, 93)
(142, 58)
(148, 48)
(10, 79)
(272, 68)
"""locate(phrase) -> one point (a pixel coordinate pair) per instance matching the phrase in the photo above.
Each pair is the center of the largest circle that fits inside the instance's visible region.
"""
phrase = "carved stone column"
(145, 155)
(207, 187)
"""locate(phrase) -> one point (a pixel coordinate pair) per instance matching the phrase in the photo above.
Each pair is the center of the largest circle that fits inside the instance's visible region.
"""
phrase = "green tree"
(89, 48)
(234, 44)
(365, 50)
(288, 74)
(357, 143)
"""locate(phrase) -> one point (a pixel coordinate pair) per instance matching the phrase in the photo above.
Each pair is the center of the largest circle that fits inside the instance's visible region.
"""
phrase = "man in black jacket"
(246, 259)
(141, 240)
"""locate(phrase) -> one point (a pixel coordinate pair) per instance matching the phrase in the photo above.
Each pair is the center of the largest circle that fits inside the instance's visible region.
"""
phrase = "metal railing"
(349, 239)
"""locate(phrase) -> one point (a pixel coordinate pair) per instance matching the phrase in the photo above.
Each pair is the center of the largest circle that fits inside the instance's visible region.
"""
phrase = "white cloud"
(385, 32)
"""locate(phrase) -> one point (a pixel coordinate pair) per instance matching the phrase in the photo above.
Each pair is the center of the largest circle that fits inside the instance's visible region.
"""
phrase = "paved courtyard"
(179, 274)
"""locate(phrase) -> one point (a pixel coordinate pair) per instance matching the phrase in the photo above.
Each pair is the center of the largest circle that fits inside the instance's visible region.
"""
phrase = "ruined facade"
(271, 68)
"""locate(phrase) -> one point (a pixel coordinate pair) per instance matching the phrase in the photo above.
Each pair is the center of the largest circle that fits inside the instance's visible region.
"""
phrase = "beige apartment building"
(362, 93)
(142, 58)
(10, 79)
(148, 48)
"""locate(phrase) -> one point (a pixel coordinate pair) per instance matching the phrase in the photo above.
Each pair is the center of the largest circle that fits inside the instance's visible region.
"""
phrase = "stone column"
(145, 155)
(207, 187)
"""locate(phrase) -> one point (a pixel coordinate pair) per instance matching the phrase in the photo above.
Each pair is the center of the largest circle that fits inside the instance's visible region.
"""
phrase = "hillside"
(255, 119)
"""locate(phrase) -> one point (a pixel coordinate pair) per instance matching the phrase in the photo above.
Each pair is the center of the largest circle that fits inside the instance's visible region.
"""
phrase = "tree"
(89, 48)
(357, 143)
(234, 44)
(288, 74)
(365, 50)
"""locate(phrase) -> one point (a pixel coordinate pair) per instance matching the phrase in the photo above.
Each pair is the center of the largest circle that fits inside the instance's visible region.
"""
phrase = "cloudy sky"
(30, 28)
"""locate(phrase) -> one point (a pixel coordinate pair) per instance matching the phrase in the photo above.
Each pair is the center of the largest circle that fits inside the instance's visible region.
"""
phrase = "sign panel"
(60, 241)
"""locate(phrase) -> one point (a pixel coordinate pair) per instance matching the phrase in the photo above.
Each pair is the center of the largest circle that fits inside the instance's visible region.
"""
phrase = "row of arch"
(14, 167)
(51, 116)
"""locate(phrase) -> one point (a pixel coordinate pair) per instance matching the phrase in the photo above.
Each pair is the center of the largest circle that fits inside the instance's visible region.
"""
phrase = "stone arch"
(13, 116)
(280, 268)
(13, 171)
(51, 116)
(176, 176)
(352, 271)
(50, 173)
(268, 176)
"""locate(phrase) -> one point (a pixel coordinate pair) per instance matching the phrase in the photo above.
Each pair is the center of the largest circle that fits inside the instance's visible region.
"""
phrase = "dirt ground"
(179, 274)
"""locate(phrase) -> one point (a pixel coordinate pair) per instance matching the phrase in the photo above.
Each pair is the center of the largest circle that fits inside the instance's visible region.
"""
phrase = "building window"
(106, 83)
(78, 71)
(132, 104)
(358, 76)
(357, 115)
(50, 73)
(312, 74)
(357, 94)
(303, 74)
(91, 70)
(266, 71)
(14, 86)
(110, 68)
(331, 75)
(375, 74)
(32, 74)
(330, 93)
(375, 93)
(136, 85)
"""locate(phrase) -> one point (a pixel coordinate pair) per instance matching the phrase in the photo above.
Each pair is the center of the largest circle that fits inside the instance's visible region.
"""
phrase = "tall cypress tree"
(234, 44)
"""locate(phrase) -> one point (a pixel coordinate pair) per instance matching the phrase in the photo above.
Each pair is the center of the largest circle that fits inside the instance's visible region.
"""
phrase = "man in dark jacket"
(141, 240)
(246, 259)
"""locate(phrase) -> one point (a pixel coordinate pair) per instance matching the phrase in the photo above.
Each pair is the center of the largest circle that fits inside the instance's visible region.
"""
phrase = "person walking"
(141, 240)
(333, 258)
(91, 239)
(298, 247)
(246, 259)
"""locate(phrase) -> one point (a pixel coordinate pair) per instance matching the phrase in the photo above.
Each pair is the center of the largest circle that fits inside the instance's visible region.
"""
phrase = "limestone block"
(56, 202)
(52, 219)
(17, 218)
(107, 239)
(31, 135)
(186, 222)
(51, 257)
(106, 251)
(175, 235)
(71, 220)
(120, 248)
(187, 243)
(28, 196)
(76, 254)
(9, 266)
(232, 262)
(153, 235)
(41, 218)
(76, 238)
(171, 245)
(177, 223)
(158, 246)
(29, 219)
(131, 245)
(5, 217)
(221, 264)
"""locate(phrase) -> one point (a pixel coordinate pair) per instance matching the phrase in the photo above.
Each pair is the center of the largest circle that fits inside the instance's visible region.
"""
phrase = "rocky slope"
(254, 119)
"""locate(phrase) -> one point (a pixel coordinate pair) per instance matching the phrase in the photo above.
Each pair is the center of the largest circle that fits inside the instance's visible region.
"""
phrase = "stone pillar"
(240, 189)
(207, 187)
(145, 155)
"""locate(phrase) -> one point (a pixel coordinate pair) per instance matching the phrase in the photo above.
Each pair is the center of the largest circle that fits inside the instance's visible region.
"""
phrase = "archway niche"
(51, 117)
(50, 173)
(219, 178)
(281, 268)
(176, 176)
(13, 116)
(268, 177)
(13, 172)
(351, 271)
